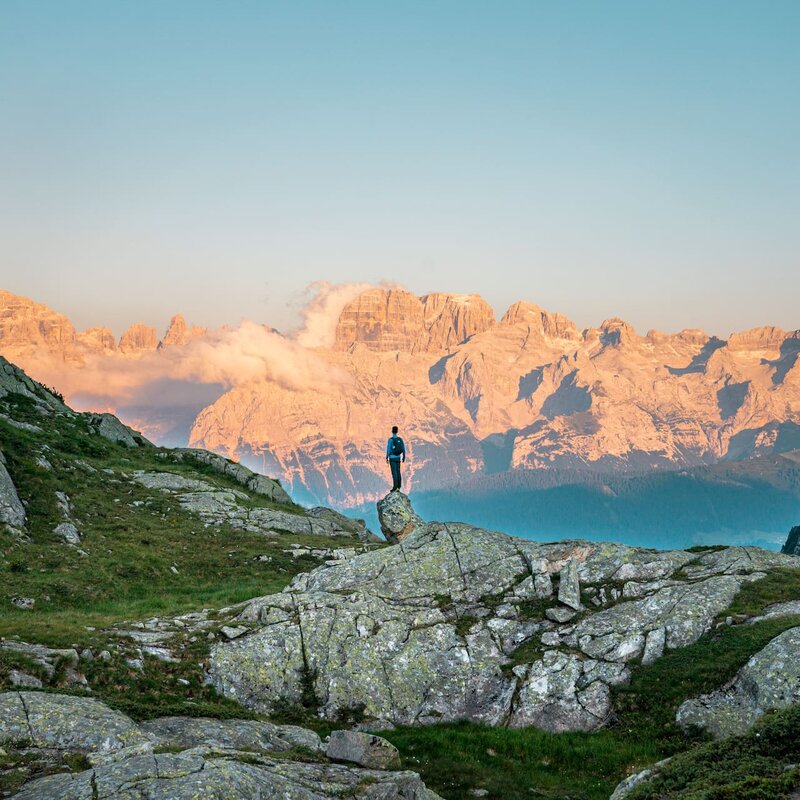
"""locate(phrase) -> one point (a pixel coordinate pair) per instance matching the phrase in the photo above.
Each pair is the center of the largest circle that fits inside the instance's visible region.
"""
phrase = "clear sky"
(635, 159)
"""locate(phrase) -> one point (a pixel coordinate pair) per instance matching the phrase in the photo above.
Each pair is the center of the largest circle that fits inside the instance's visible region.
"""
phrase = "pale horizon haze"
(627, 159)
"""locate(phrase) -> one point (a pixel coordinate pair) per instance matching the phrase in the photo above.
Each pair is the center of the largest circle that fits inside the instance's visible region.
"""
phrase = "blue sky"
(637, 159)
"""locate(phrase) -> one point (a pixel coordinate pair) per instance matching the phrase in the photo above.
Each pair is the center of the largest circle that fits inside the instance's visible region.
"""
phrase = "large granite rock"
(239, 734)
(397, 517)
(364, 749)
(230, 775)
(221, 759)
(429, 630)
(62, 722)
(259, 484)
(769, 680)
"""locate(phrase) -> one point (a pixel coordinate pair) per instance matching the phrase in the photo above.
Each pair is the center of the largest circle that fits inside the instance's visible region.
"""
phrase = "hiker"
(395, 453)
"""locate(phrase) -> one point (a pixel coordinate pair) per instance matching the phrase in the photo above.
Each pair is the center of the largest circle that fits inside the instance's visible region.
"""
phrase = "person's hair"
(394, 429)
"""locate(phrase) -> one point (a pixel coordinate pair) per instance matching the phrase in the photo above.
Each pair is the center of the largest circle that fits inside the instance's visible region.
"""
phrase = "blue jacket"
(398, 456)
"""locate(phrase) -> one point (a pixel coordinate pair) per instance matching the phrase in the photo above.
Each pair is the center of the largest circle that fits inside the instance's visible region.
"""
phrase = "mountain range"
(474, 396)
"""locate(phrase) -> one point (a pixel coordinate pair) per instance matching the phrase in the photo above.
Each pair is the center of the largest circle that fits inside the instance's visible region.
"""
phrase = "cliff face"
(532, 389)
(394, 319)
(470, 394)
(28, 328)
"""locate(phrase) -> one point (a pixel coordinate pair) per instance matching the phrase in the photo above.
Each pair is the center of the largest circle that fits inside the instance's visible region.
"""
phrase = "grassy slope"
(131, 537)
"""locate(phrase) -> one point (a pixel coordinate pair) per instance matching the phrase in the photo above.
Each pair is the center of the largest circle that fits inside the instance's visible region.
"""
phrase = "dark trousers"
(396, 479)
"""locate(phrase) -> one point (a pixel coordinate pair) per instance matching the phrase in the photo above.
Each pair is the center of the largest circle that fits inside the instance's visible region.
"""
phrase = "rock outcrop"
(216, 506)
(228, 760)
(12, 512)
(179, 333)
(138, 338)
(430, 629)
(770, 680)
(260, 484)
(109, 427)
(792, 544)
(364, 749)
(397, 517)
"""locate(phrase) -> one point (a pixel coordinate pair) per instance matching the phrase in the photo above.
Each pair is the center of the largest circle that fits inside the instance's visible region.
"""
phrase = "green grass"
(748, 767)
(131, 537)
(529, 763)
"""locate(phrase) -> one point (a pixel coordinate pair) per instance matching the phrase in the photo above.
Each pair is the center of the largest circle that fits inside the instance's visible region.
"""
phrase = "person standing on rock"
(395, 453)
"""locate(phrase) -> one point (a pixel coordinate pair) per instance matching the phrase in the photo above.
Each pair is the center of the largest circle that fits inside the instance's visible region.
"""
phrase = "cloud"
(322, 310)
(165, 389)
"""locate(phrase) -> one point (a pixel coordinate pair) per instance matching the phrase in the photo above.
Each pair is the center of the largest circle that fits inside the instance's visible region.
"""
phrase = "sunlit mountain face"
(496, 405)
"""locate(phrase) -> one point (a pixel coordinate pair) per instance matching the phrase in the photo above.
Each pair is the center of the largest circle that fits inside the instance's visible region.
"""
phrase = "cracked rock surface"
(220, 759)
(429, 629)
(769, 680)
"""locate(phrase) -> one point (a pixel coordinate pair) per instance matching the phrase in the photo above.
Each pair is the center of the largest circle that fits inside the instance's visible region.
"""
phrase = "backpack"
(397, 448)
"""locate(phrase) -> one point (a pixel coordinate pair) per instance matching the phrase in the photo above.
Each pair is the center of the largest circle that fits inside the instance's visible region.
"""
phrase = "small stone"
(364, 749)
(569, 588)
(233, 631)
(23, 680)
(543, 585)
(87, 655)
(654, 646)
(560, 614)
(25, 603)
(104, 656)
(478, 792)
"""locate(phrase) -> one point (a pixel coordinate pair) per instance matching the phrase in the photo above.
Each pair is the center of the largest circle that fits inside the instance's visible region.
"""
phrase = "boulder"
(769, 680)
(109, 427)
(227, 775)
(397, 517)
(63, 722)
(569, 587)
(239, 734)
(68, 533)
(12, 512)
(224, 759)
(364, 749)
(356, 527)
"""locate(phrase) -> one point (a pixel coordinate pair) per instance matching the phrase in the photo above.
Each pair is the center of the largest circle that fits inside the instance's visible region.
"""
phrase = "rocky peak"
(394, 319)
(98, 340)
(768, 337)
(179, 333)
(25, 326)
(549, 324)
(452, 318)
(137, 338)
(382, 319)
(616, 332)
